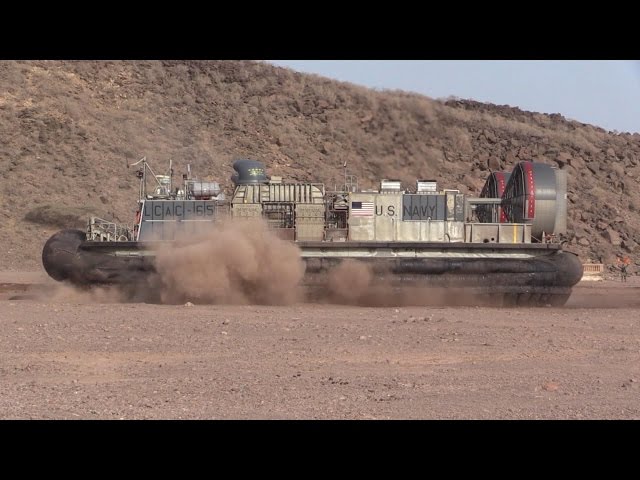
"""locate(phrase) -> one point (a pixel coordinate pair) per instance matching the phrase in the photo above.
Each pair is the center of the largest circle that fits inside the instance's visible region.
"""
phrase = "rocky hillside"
(69, 128)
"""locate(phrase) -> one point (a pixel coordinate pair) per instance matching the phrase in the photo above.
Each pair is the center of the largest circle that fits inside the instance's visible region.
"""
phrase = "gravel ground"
(75, 356)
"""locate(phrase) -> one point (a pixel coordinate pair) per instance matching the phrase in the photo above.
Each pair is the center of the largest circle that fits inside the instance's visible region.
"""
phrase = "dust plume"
(355, 282)
(349, 281)
(68, 293)
(239, 261)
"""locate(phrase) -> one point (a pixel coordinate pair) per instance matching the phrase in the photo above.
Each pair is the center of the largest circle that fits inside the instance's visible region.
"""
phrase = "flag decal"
(362, 209)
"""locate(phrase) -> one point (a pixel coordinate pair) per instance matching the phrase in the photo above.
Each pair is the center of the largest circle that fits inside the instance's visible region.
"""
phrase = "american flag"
(362, 209)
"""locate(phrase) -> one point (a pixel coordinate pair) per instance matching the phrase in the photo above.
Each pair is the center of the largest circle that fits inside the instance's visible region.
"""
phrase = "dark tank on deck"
(500, 248)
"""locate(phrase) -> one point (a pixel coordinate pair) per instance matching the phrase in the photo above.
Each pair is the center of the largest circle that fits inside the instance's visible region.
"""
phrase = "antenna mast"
(345, 175)
(170, 176)
(141, 174)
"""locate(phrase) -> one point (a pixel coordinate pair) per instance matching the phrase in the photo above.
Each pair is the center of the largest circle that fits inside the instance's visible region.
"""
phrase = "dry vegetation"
(68, 127)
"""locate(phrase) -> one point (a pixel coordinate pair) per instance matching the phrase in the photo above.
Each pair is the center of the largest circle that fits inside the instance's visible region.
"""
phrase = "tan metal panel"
(361, 228)
(498, 233)
(317, 193)
(241, 210)
(240, 194)
(510, 233)
(484, 233)
(263, 192)
(438, 231)
(309, 222)
(450, 205)
(455, 231)
(386, 211)
(278, 192)
(409, 231)
(432, 231)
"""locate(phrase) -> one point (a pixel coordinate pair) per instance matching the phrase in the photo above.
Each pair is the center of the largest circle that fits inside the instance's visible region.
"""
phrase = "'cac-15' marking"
(157, 210)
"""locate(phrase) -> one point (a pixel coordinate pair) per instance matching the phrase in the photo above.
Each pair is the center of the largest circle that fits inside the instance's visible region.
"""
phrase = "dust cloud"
(349, 281)
(353, 282)
(68, 293)
(244, 262)
(238, 262)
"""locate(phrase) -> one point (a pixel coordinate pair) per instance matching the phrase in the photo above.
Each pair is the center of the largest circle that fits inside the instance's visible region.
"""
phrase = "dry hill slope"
(68, 127)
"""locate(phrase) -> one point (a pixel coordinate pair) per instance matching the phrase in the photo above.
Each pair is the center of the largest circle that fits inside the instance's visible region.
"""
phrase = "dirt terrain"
(72, 355)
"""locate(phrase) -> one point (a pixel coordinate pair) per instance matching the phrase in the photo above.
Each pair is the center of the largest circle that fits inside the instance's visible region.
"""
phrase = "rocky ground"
(67, 355)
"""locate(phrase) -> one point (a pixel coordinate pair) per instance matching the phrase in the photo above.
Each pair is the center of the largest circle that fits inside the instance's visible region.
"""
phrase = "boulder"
(494, 164)
(576, 162)
(584, 241)
(483, 161)
(617, 168)
(582, 232)
(612, 237)
(562, 159)
(489, 135)
(629, 245)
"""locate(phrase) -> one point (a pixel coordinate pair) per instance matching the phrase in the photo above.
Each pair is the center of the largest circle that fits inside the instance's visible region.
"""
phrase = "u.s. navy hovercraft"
(502, 245)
